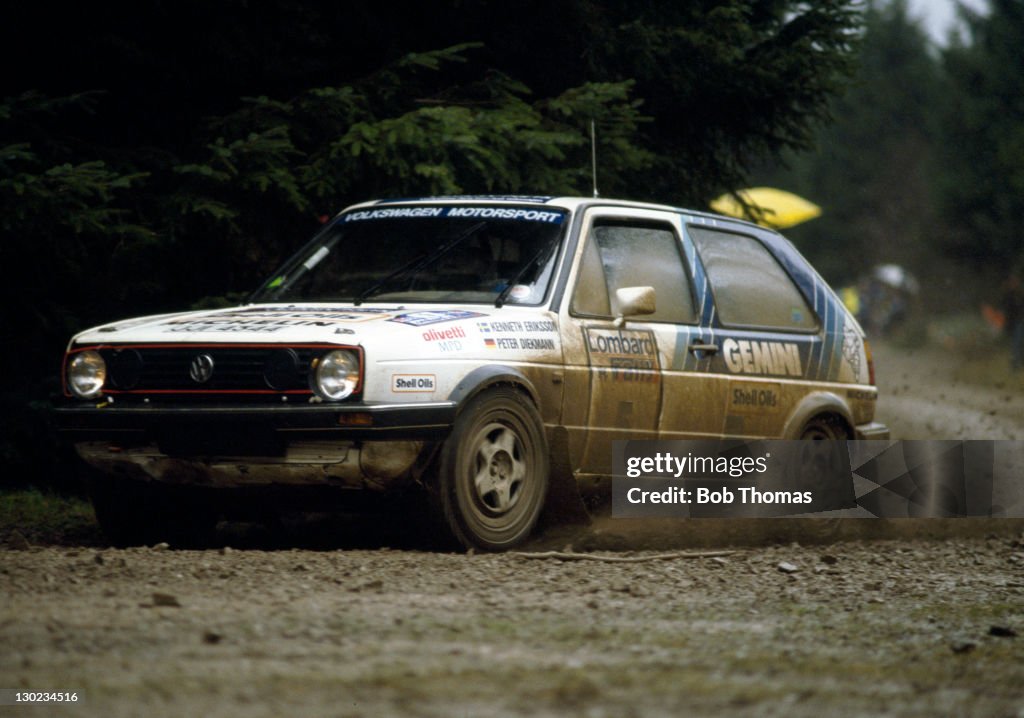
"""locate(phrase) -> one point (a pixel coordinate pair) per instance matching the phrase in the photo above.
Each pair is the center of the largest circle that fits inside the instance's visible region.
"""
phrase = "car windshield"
(454, 253)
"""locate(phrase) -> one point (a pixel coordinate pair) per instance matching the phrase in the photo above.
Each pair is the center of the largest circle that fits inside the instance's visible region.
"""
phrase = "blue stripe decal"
(814, 361)
(835, 338)
(680, 356)
(826, 353)
(831, 336)
(683, 359)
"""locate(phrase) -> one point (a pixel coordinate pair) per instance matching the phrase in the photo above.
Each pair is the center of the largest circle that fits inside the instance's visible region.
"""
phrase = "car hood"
(299, 324)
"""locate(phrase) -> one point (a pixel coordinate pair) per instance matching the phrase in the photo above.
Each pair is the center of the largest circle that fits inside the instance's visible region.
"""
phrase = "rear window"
(750, 287)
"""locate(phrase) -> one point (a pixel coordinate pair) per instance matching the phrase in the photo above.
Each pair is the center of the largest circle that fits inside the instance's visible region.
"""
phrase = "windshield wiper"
(418, 263)
(389, 278)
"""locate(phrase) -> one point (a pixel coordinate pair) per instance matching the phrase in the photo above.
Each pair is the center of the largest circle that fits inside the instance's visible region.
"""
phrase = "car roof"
(562, 202)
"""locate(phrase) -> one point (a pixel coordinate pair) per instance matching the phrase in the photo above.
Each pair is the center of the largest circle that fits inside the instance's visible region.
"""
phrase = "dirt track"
(851, 627)
(920, 398)
(879, 629)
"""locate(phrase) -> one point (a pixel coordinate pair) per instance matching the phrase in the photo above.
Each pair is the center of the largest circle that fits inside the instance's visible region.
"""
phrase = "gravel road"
(883, 628)
(920, 398)
(799, 618)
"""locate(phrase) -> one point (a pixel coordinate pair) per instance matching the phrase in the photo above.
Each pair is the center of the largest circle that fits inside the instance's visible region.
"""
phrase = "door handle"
(709, 348)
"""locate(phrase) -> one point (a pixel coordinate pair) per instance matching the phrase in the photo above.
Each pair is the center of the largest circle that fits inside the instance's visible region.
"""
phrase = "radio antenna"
(593, 155)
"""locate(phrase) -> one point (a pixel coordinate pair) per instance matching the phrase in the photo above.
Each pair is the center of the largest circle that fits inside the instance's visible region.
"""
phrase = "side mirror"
(633, 301)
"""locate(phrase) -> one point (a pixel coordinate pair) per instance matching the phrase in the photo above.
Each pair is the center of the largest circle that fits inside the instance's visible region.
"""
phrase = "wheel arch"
(819, 404)
(563, 504)
(488, 376)
(498, 428)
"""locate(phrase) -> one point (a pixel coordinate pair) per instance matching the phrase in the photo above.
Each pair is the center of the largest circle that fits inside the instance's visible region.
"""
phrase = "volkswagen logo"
(201, 368)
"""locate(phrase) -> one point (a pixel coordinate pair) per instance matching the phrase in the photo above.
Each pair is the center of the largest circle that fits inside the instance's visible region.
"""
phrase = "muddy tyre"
(826, 428)
(493, 473)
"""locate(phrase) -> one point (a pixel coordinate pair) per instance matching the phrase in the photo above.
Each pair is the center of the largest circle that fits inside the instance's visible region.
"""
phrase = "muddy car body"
(485, 349)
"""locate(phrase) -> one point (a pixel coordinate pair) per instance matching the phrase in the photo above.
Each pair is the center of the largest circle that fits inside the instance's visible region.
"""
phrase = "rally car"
(480, 352)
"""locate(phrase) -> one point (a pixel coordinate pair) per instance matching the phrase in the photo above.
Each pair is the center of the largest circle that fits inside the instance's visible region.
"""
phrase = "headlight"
(336, 375)
(87, 372)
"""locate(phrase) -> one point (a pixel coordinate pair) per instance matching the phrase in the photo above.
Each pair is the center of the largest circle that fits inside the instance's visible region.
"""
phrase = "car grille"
(201, 369)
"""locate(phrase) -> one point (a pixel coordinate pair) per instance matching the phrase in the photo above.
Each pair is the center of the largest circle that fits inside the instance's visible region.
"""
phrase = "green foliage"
(65, 228)
(729, 84)
(686, 97)
(923, 164)
(982, 183)
(64, 217)
(260, 164)
(77, 196)
(872, 168)
(191, 174)
(45, 518)
(330, 146)
(42, 188)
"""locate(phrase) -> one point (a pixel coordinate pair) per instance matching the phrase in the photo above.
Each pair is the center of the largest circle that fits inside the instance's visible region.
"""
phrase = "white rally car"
(484, 351)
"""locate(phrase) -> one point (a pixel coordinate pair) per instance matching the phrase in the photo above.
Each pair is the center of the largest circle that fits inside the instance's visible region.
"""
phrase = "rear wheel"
(493, 473)
(825, 428)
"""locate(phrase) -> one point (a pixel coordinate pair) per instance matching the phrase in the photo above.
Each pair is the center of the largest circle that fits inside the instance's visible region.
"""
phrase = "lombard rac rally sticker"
(623, 354)
(413, 383)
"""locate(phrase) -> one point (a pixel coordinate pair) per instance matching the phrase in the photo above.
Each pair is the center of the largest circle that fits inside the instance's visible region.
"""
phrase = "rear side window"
(623, 254)
(751, 288)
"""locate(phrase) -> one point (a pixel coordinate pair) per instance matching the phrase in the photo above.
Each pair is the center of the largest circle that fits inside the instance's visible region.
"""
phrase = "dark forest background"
(160, 155)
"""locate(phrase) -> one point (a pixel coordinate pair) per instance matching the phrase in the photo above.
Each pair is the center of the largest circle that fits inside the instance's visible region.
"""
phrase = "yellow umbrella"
(778, 208)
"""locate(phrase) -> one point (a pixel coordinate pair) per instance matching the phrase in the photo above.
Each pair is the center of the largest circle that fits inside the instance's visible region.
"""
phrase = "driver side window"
(623, 254)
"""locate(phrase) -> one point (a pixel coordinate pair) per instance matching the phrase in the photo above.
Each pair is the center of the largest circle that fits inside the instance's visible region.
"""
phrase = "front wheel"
(493, 473)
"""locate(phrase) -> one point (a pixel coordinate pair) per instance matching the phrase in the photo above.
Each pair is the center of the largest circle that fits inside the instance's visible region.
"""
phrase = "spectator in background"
(1013, 305)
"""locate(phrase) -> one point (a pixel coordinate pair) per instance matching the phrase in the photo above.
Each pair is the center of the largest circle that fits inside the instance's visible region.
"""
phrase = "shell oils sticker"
(422, 319)
(752, 357)
(271, 320)
(623, 354)
(413, 383)
(754, 398)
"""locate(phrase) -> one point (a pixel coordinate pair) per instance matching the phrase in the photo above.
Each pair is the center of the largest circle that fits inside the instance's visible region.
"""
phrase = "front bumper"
(358, 445)
(352, 421)
(358, 421)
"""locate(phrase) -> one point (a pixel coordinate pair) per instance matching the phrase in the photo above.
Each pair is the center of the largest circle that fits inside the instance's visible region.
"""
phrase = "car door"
(768, 336)
(625, 380)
